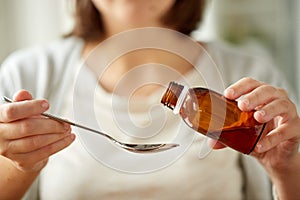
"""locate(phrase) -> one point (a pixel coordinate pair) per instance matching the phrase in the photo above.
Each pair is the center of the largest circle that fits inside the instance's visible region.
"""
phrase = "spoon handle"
(59, 119)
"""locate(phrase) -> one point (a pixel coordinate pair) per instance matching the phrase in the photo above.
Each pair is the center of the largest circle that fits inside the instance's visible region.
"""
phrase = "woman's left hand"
(278, 149)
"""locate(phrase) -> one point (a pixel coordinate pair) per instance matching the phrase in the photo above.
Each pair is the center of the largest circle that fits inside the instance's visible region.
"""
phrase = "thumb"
(22, 95)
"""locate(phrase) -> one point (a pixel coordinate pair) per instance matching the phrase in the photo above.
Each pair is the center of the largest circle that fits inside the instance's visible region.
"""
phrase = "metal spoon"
(136, 148)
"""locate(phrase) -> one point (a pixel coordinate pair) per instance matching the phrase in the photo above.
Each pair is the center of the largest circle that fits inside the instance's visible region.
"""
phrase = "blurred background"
(268, 27)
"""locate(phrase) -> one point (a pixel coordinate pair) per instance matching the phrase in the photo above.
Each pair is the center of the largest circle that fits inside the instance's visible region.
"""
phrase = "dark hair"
(184, 17)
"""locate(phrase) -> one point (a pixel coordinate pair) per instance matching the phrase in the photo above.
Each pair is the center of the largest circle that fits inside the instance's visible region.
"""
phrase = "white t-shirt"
(185, 177)
(80, 172)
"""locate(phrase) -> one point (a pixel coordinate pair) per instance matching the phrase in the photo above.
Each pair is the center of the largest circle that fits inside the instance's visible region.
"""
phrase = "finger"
(32, 143)
(260, 96)
(27, 160)
(280, 107)
(241, 87)
(22, 95)
(285, 132)
(23, 109)
(32, 126)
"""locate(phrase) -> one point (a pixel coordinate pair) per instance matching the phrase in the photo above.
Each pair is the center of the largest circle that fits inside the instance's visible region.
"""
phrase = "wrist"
(281, 172)
(29, 169)
(14, 182)
(286, 182)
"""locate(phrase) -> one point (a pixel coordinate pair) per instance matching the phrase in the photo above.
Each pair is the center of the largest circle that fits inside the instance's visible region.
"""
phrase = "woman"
(28, 140)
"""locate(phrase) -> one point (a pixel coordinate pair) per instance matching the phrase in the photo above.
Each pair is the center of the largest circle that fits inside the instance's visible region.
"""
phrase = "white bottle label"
(180, 100)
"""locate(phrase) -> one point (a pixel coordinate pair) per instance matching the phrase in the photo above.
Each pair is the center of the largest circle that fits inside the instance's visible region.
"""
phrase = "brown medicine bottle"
(211, 114)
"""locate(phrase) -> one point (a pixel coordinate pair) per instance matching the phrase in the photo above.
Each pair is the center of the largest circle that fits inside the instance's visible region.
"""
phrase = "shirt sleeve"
(275, 196)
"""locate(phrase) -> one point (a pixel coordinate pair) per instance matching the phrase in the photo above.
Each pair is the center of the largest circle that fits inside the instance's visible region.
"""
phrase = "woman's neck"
(139, 66)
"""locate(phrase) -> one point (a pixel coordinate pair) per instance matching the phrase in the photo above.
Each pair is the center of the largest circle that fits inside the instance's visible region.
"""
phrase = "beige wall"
(297, 41)
(28, 22)
(271, 23)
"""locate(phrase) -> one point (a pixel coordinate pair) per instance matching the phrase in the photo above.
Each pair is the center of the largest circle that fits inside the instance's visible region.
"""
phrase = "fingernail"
(229, 92)
(67, 133)
(72, 137)
(66, 126)
(44, 104)
(245, 102)
(262, 113)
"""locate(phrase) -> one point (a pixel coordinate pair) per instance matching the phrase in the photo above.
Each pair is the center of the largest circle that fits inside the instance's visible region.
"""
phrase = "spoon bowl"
(144, 148)
(136, 148)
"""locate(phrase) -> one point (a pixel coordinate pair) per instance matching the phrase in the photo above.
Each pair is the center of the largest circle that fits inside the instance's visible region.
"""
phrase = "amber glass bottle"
(215, 116)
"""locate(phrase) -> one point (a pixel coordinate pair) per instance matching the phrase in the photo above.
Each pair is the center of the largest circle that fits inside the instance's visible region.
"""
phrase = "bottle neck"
(174, 96)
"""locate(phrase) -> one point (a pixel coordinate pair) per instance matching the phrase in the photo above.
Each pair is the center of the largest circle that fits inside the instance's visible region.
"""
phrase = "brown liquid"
(240, 139)
(217, 117)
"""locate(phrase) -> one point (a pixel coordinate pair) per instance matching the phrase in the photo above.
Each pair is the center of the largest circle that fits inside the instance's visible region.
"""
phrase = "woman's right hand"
(27, 139)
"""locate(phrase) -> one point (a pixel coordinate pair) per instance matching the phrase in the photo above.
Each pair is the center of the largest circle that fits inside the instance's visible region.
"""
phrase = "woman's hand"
(278, 149)
(27, 139)
(280, 143)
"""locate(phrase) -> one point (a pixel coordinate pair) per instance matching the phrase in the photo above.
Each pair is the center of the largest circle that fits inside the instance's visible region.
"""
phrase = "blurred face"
(135, 13)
